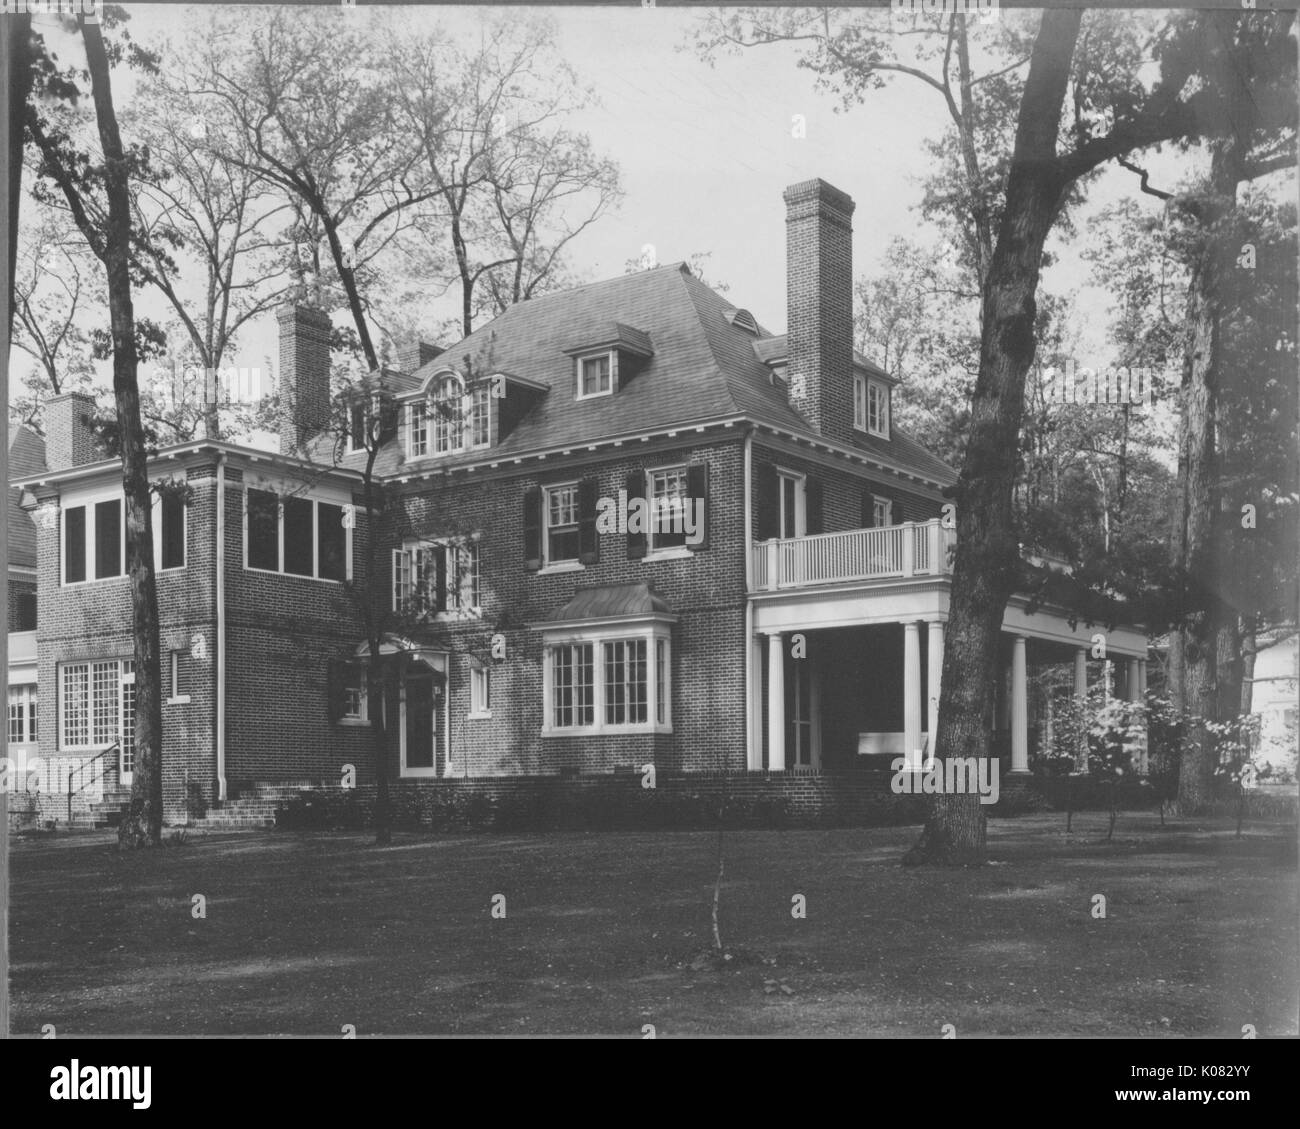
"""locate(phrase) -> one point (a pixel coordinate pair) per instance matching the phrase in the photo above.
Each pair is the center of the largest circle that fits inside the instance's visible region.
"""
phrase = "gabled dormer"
(609, 361)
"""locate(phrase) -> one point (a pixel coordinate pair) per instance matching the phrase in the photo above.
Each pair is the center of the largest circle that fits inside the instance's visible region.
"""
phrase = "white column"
(1081, 696)
(775, 704)
(1019, 707)
(909, 551)
(911, 693)
(934, 673)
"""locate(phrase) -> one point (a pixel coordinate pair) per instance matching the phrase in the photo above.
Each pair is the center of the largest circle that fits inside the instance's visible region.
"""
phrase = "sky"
(705, 152)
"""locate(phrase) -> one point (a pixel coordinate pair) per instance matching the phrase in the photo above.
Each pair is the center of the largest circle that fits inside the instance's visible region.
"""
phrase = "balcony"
(912, 549)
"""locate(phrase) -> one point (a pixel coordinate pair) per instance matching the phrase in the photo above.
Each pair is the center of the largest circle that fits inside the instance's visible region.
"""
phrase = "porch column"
(912, 694)
(1081, 697)
(934, 674)
(1019, 707)
(1135, 695)
(775, 703)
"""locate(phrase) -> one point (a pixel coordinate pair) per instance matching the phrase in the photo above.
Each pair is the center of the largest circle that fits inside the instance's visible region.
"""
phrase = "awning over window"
(613, 601)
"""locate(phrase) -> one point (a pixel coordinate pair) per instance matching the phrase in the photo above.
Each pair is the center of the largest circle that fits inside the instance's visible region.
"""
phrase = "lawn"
(603, 932)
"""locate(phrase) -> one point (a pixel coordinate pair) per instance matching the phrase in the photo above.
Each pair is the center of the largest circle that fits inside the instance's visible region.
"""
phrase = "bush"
(321, 811)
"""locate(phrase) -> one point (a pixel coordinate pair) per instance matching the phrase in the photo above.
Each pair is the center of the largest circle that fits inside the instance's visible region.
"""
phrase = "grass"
(603, 933)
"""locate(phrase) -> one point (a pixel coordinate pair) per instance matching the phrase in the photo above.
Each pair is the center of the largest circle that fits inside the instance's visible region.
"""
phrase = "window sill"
(482, 715)
(178, 700)
(676, 553)
(564, 566)
(355, 722)
(608, 730)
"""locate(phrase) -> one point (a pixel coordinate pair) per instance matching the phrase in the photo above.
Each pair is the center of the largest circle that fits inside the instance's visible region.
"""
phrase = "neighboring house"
(26, 457)
(798, 625)
(1275, 696)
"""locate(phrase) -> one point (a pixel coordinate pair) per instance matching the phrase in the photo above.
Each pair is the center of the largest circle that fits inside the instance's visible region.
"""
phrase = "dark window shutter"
(814, 517)
(868, 509)
(767, 511)
(533, 528)
(697, 486)
(896, 512)
(440, 555)
(636, 542)
(588, 540)
(335, 677)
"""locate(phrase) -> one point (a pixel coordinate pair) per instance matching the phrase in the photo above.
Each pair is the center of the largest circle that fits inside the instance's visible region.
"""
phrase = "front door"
(419, 725)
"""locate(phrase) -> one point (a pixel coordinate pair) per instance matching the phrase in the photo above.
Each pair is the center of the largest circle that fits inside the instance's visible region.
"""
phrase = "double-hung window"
(871, 406)
(669, 499)
(561, 516)
(595, 376)
(417, 430)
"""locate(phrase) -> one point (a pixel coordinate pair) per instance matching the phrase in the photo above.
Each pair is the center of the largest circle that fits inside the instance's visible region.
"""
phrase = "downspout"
(221, 628)
(749, 603)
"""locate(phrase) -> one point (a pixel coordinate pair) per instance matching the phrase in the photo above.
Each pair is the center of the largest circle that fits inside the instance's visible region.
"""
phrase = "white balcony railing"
(910, 549)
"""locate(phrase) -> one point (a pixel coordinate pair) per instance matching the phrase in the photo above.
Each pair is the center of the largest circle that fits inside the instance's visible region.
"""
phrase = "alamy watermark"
(656, 516)
(86, 8)
(1122, 384)
(956, 776)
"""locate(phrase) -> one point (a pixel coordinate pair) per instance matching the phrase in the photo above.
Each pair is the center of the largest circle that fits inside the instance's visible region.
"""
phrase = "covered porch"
(846, 655)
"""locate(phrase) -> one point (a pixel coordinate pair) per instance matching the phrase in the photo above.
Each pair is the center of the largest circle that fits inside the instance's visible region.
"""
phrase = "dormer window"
(596, 375)
(871, 406)
(450, 421)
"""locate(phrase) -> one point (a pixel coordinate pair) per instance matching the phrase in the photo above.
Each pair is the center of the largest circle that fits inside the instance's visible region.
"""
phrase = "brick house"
(781, 614)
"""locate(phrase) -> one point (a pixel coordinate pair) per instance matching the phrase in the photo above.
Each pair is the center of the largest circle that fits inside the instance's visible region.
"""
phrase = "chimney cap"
(818, 190)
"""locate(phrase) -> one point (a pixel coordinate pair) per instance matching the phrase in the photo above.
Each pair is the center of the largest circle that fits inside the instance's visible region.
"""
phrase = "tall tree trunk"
(1207, 631)
(142, 823)
(985, 566)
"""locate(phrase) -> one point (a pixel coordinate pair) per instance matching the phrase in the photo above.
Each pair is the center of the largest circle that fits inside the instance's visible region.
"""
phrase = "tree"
(1111, 114)
(80, 180)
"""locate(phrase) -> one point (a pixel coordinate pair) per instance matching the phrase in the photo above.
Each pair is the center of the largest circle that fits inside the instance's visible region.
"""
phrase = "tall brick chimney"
(819, 305)
(68, 439)
(415, 354)
(304, 384)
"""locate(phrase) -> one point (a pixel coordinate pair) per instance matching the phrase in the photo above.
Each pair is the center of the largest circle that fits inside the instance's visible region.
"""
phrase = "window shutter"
(896, 512)
(814, 519)
(697, 486)
(868, 510)
(636, 542)
(588, 540)
(533, 528)
(334, 687)
(767, 510)
(440, 555)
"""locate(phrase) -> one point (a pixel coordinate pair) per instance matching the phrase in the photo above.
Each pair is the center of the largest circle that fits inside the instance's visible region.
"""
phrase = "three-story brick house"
(785, 614)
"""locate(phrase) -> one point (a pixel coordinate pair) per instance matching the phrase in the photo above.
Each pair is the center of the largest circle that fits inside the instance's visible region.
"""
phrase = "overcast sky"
(706, 151)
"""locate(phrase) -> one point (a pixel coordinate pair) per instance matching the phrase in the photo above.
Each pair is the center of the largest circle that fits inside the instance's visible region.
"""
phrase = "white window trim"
(568, 564)
(883, 431)
(859, 386)
(173, 681)
(124, 677)
(408, 430)
(598, 637)
(89, 502)
(157, 535)
(667, 552)
(459, 614)
(476, 713)
(888, 503)
(315, 538)
(464, 424)
(612, 354)
(800, 502)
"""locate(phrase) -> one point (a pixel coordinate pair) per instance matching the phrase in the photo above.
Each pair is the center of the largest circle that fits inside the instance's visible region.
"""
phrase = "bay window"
(615, 681)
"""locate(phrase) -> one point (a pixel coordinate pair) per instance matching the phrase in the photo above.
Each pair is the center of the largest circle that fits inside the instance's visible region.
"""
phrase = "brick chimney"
(819, 305)
(304, 384)
(415, 354)
(68, 439)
